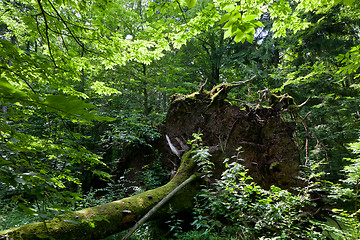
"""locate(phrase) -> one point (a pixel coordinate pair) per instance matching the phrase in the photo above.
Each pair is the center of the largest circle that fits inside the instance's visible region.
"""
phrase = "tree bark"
(112, 217)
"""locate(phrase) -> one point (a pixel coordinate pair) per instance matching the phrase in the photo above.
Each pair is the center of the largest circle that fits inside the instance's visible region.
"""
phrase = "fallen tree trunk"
(112, 217)
(267, 149)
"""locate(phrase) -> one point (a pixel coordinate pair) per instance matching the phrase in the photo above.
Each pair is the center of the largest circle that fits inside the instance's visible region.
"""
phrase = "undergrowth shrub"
(153, 175)
(234, 207)
(11, 215)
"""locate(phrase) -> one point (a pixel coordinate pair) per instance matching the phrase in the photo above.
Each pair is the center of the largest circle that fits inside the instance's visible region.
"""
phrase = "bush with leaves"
(153, 175)
(345, 218)
(201, 156)
(236, 206)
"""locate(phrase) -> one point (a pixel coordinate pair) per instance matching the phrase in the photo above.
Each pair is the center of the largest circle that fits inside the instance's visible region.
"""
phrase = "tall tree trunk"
(145, 93)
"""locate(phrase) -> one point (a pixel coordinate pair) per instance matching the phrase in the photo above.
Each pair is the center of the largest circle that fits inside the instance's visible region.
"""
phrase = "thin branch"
(182, 12)
(64, 44)
(5, 12)
(70, 23)
(206, 49)
(67, 27)
(38, 27)
(47, 31)
(21, 77)
(207, 43)
(69, 35)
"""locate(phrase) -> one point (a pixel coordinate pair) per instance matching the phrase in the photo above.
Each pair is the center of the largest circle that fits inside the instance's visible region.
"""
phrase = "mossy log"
(268, 151)
(112, 217)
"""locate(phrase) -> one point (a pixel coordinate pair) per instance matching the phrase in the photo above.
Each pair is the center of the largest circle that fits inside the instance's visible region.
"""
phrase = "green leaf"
(250, 30)
(102, 174)
(249, 38)
(239, 36)
(229, 7)
(101, 89)
(6, 87)
(228, 33)
(249, 18)
(257, 23)
(67, 105)
(229, 24)
(225, 18)
(9, 91)
(190, 3)
(348, 2)
(8, 49)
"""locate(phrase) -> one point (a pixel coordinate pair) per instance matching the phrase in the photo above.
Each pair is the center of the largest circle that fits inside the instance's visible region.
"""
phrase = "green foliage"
(114, 190)
(349, 224)
(235, 200)
(238, 24)
(175, 223)
(351, 182)
(69, 67)
(353, 170)
(201, 156)
(11, 215)
(190, 3)
(153, 175)
(202, 235)
(350, 61)
(131, 130)
(144, 232)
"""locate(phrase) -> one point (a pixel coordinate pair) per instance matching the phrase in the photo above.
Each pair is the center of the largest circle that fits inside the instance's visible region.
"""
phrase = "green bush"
(235, 207)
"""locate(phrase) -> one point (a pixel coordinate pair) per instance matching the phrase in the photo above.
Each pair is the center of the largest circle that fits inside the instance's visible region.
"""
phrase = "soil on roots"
(259, 138)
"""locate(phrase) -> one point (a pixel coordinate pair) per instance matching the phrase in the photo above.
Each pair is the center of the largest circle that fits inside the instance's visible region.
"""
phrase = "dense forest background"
(82, 82)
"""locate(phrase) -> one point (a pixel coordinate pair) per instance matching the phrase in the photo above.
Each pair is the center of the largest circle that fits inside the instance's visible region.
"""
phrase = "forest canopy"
(84, 83)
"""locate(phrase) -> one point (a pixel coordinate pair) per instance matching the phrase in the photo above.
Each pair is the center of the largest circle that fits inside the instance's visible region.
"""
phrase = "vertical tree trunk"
(145, 93)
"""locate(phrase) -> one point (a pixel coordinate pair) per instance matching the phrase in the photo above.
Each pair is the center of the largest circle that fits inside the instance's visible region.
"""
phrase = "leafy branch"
(67, 27)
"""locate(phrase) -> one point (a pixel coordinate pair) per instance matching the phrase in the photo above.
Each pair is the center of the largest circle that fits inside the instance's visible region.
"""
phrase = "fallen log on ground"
(112, 217)
(267, 149)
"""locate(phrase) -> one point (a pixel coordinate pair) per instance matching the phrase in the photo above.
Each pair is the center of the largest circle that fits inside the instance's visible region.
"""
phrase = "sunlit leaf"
(228, 33)
(249, 18)
(239, 36)
(190, 3)
(225, 18)
(349, 2)
(229, 7)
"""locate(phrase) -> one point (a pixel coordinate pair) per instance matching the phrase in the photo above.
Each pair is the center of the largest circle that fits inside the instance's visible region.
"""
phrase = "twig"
(5, 12)
(181, 11)
(47, 32)
(299, 106)
(242, 82)
(67, 27)
(21, 77)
